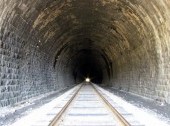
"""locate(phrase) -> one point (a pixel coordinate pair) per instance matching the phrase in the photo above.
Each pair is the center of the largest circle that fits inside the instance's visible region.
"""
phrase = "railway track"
(88, 106)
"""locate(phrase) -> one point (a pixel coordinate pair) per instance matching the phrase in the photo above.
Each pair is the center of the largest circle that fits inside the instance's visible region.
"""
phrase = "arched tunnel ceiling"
(115, 26)
(122, 24)
(114, 23)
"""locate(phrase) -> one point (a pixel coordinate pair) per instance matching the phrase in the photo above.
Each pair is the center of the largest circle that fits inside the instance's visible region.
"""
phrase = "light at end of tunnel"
(87, 79)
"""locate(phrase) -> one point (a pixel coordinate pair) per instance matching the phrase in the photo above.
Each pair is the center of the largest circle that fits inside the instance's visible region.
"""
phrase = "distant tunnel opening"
(88, 65)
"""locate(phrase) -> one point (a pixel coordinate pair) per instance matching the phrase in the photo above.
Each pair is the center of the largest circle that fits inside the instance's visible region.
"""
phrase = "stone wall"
(145, 69)
(26, 69)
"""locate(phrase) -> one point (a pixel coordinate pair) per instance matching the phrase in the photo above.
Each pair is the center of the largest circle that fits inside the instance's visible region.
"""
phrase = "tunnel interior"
(48, 45)
(87, 65)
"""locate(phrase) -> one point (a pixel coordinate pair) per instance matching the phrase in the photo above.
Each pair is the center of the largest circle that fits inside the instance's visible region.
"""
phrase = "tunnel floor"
(141, 102)
(28, 108)
(8, 115)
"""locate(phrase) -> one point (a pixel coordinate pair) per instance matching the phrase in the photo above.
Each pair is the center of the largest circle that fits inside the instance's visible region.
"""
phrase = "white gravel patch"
(143, 115)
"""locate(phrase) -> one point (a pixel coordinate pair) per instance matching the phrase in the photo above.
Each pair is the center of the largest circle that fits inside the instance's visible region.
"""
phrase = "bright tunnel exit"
(87, 80)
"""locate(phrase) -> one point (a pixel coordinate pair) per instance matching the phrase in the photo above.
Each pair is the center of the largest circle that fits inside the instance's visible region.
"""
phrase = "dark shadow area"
(88, 64)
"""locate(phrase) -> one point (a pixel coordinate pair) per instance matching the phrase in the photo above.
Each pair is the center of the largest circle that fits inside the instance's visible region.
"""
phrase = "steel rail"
(58, 116)
(120, 118)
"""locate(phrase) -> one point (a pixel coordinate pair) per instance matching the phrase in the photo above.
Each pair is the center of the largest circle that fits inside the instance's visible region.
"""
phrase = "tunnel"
(48, 45)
